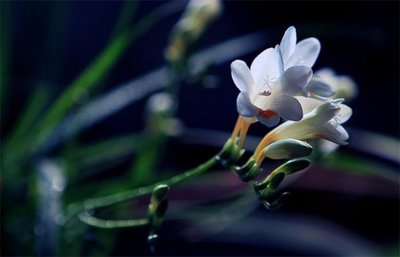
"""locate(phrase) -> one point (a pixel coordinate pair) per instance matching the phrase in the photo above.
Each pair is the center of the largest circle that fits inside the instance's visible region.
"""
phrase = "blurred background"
(83, 115)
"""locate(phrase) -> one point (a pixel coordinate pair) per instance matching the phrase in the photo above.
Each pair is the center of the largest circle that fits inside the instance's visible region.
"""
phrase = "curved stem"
(76, 209)
(101, 223)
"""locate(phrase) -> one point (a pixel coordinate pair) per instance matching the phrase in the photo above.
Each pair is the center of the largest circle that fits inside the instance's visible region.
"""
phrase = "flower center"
(267, 113)
(265, 87)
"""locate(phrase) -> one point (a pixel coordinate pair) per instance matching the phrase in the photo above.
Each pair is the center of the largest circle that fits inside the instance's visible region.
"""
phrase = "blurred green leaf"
(126, 15)
(104, 151)
(362, 166)
(78, 191)
(97, 71)
(17, 142)
(142, 170)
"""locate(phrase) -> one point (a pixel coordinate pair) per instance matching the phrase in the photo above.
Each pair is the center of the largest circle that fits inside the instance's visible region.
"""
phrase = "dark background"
(51, 42)
(359, 38)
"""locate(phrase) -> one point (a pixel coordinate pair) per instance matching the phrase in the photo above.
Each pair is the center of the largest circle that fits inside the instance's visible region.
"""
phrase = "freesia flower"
(303, 53)
(267, 90)
(197, 16)
(274, 77)
(343, 115)
(323, 122)
(343, 86)
(309, 104)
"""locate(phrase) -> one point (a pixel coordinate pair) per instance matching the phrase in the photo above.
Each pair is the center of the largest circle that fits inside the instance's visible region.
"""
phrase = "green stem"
(127, 13)
(100, 223)
(94, 203)
(98, 70)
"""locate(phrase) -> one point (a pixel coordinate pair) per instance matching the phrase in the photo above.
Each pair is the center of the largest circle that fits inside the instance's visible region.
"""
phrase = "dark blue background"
(53, 41)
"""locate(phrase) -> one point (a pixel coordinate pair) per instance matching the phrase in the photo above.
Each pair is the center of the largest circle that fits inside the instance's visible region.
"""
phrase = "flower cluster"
(276, 76)
(280, 84)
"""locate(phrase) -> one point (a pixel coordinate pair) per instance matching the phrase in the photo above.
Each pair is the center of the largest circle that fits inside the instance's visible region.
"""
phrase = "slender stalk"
(94, 203)
(126, 15)
(101, 223)
(100, 67)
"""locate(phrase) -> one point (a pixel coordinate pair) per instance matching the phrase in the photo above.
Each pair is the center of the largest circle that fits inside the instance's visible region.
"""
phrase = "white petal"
(344, 135)
(306, 53)
(344, 86)
(325, 73)
(335, 134)
(326, 112)
(344, 114)
(295, 79)
(317, 86)
(287, 107)
(287, 149)
(244, 106)
(266, 67)
(326, 146)
(308, 104)
(288, 43)
(241, 75)
(269, 121)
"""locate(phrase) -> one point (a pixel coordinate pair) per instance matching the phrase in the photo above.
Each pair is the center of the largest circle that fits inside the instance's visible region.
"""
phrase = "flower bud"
(293, 166)
(197, 16)
(158, 206)
(160, 191)
(287, 149)
(161, 208)
(344, 86)
(269, 185)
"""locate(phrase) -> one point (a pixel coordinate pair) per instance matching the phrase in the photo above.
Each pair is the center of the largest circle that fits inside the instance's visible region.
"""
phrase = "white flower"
(274, 77)
(324, 121)
(267, 90)
(343, 86)
(304, 53)
(309, 104)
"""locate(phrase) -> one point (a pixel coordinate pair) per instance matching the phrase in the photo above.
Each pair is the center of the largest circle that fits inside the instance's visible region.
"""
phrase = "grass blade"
(98, 70)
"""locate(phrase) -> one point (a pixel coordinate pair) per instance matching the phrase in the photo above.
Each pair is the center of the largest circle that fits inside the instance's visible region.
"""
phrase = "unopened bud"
(293, 166)
(160, 191)
(287, 149)
(269, 186)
